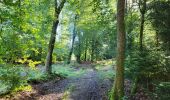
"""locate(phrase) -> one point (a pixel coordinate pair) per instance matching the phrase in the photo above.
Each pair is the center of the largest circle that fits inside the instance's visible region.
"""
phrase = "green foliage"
(159, 12)
(147, 65)
(109, 74)
(36, 74)
(25, 27)
(67, 71)
(15, 78)
(163, 90)
(12, 77)
(61, 52)
(23, 30)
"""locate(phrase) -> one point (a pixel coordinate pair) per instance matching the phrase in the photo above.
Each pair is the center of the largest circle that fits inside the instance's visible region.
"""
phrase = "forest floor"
(82, 82)
(89, 84)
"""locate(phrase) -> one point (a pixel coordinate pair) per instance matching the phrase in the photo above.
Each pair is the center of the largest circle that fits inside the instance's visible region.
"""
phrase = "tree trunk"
(85, 55)
(1, 27)
(142, 7)
(92, 49)
(71, 50)
(53, 36)
(141, 31)
(118, 92)
(73, 39)
(79, 53)
(157, 39)
(85, 51)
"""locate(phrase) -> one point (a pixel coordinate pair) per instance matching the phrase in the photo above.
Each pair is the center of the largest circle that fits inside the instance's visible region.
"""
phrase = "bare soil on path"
(92, 84)
(88, 86)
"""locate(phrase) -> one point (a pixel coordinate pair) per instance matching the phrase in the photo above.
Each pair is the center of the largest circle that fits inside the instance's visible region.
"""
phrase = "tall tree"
(73, 39)
(118, 92)
(58, 8)
(142, 8)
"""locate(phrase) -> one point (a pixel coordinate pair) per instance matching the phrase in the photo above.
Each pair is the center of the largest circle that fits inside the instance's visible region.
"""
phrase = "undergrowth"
(67, 71)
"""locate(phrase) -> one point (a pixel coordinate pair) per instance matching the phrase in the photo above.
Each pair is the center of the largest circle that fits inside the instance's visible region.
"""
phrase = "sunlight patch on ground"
(105, 64)
(67, 71)
(105, 71)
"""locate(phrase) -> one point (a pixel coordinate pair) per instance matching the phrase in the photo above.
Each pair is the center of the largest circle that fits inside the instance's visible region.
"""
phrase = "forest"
(84, 50)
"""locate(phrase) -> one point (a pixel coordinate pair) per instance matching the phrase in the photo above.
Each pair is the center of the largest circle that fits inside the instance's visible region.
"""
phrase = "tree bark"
(71, 50)
(141, 31)
(85, 51)
(53, 36)
(73, 39)
(79, 52)
(142, 7)
(92, 49)
(118, 92)
(157, 39)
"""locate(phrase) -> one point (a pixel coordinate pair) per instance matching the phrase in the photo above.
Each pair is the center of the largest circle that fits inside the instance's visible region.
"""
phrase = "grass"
(105, 69)
(35, 74)
(106, 74)
(67, 92)
(22, 75)
(106, 63)
(25, 74)
(67, 71)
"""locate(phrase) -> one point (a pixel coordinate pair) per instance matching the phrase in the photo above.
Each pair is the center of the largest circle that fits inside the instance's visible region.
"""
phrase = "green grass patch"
(67, 71)
(109, 74)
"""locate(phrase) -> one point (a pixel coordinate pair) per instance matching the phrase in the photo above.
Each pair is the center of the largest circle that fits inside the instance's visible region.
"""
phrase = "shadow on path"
(88, 86)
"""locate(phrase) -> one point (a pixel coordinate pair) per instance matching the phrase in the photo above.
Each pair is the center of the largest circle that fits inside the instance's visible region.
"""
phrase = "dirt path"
(92, 84)
(88, 86)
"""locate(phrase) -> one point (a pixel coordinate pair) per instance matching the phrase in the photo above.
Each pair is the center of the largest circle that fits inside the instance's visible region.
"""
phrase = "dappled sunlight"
(106, 62)
(84, 49)
(67, 71)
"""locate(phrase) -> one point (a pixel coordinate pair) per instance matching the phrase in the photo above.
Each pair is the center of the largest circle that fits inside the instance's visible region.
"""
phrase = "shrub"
(148, 66)
(163, 90)
(12, 77)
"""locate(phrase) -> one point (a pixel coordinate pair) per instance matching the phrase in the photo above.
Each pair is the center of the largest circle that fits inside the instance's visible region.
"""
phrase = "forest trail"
(88, 86)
